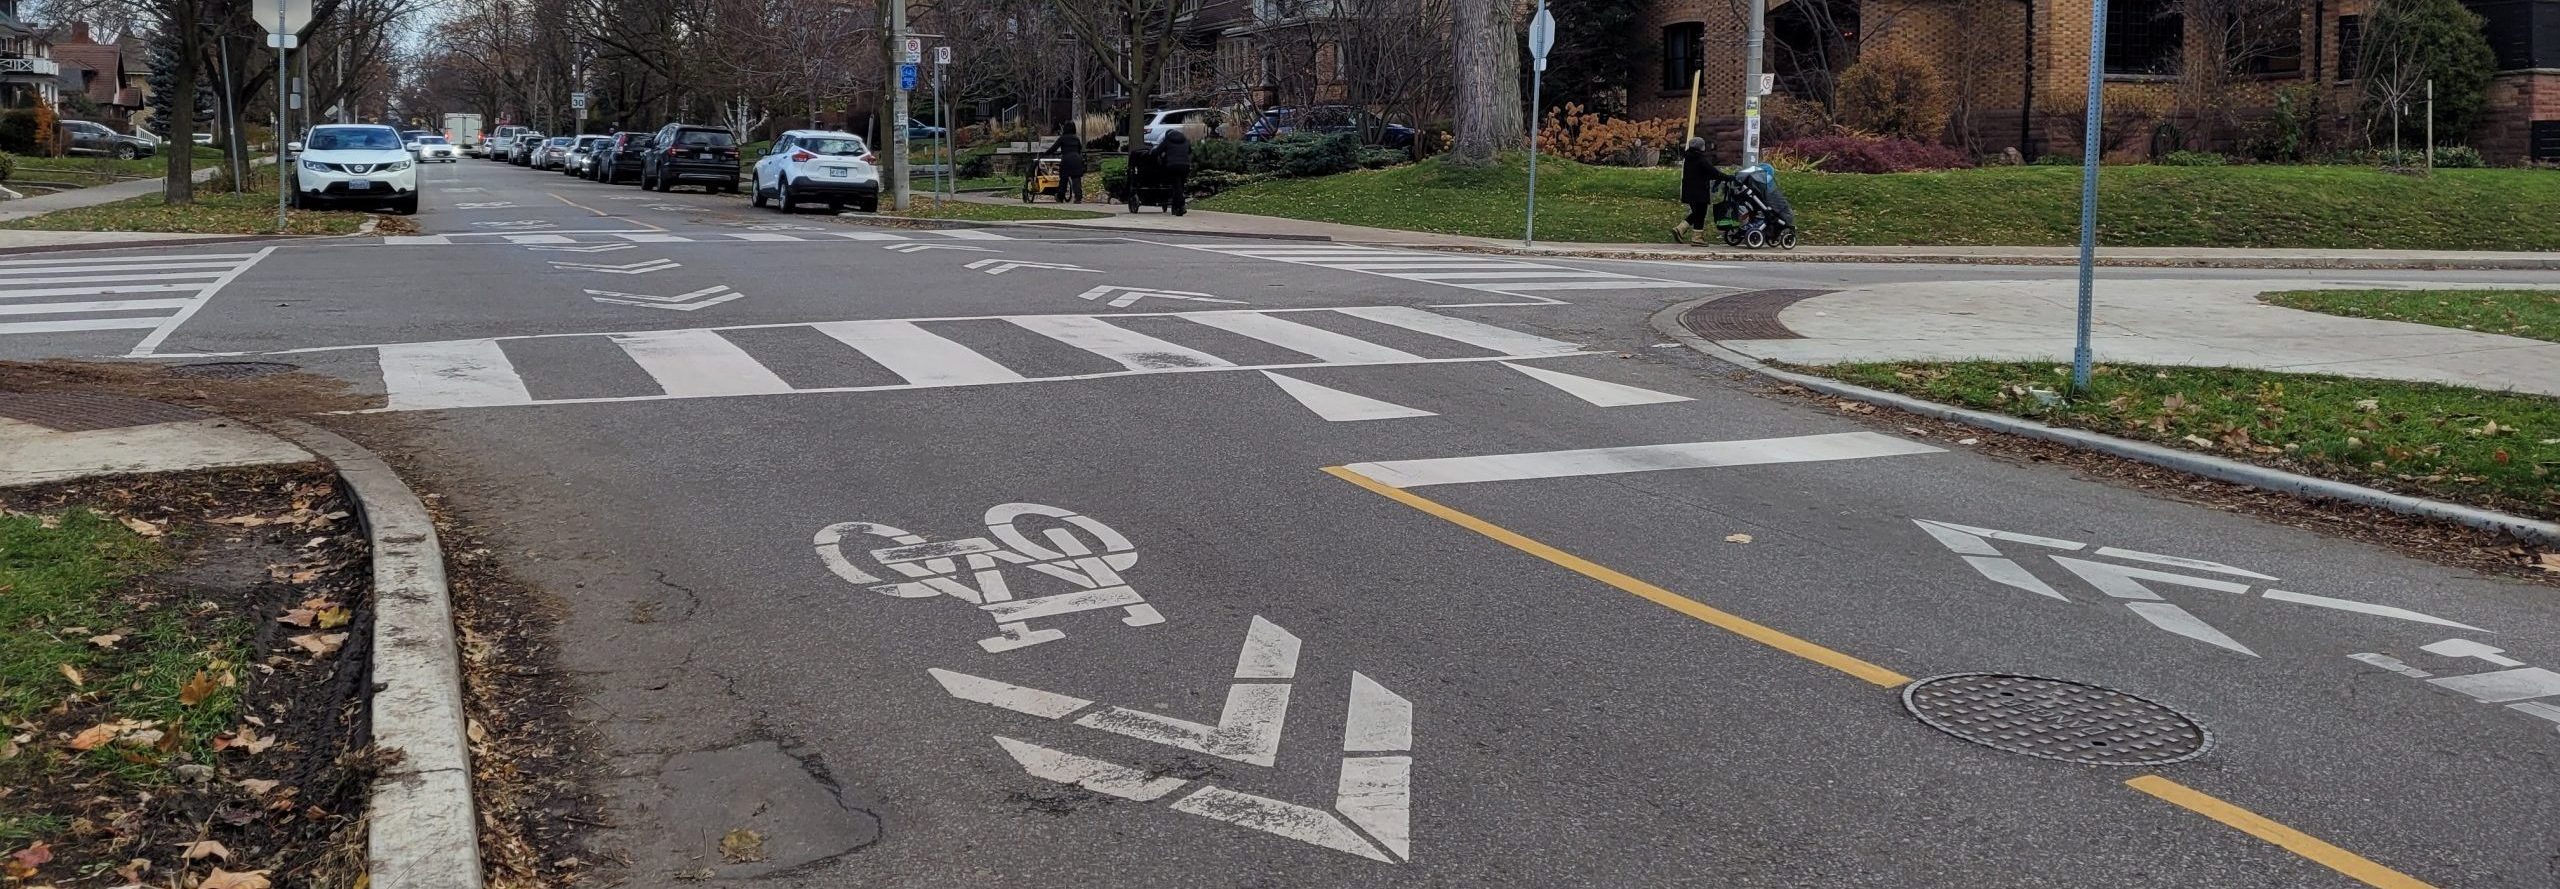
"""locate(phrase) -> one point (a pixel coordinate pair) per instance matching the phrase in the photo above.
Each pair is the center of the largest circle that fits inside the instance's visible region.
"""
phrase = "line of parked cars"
(801, 168)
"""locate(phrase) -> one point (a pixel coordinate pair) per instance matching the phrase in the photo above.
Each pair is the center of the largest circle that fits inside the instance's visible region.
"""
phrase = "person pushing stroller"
(1699, 182)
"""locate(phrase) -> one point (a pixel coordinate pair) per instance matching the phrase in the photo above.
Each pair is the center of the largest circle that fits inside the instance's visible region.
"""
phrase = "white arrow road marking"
(711, 296)
(515, 223)
(1599, 392)
(1089, 773)
(484, 205)
(912, 247)
(1001, 266)
(1374, 790)
(1337, 406)
(596, 248)
(2132, 584)
(1129, 296)
(642, 267)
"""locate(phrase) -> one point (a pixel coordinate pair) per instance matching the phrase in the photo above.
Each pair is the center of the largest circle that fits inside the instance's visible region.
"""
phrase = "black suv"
(683, 154)
(618, 158)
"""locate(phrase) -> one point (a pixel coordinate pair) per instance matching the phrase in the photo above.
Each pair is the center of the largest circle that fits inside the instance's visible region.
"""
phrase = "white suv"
(817, 167)
(354, 164)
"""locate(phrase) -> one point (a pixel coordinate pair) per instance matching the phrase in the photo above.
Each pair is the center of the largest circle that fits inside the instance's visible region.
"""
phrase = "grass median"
(213, 213)
(2532, 314)
(2139, 206)
(978, 211)
(2490, 449)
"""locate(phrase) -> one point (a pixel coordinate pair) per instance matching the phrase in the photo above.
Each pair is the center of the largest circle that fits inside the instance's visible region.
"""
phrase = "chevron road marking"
(1001, 266)
(919, 248)
(708, 296)
(642, 267)
(1129, 296)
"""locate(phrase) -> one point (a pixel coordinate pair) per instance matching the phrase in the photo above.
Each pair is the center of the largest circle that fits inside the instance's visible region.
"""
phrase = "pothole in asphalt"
(2056, 719)
(230, 370)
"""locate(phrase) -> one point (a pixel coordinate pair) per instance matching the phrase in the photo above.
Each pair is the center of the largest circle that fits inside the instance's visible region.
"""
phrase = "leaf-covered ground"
(2532, 314)
(251, 213)
(182, 675)
(2490, 449)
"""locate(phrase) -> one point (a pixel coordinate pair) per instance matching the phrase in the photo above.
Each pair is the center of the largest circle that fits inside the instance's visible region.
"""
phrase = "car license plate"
(839, 172)
(359, 184)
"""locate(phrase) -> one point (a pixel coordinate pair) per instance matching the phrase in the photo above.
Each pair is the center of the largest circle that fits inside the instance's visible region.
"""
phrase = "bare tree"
(2228, 43)
(1486, 87)
(1133, 38)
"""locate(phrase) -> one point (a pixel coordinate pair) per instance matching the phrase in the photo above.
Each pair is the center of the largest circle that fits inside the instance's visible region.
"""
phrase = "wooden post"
(1694, 79)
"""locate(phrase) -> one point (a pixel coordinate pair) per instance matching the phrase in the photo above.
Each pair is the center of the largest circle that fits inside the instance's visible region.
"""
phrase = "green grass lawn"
(2533, 314)
(927, 208)
(2139, 206)
(2492, 449)
(251, 213)
(93, 171)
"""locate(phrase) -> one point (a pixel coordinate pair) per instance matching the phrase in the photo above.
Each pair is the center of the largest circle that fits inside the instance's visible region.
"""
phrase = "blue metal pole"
(2080, 358)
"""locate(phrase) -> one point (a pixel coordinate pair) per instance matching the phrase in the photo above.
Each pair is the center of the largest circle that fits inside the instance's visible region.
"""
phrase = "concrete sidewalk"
(89, 197)
(2210, 323)
(1212, 222)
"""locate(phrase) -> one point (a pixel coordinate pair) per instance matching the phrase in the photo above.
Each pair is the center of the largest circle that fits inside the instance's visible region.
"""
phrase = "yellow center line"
(2362, 869)
(1727, 621)
(556, 196)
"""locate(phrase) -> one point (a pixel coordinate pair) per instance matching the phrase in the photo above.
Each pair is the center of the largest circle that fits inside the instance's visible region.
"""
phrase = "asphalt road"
(1418, 570)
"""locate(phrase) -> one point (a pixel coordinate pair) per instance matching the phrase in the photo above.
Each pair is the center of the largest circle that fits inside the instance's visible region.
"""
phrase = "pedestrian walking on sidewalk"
(1698, 180)
(1174, 154)
(1070, 151)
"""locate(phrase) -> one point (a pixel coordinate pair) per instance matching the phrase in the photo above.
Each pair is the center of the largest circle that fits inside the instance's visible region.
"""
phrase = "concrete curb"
(1667, 322)
(1064, 225)
(424, 833)
(174, 242)
(2195, 262)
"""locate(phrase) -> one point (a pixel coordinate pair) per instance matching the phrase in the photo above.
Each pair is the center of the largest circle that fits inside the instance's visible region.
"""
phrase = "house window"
(1684, 52)
(2144, 37)
(2350, 46)
(2267, 44)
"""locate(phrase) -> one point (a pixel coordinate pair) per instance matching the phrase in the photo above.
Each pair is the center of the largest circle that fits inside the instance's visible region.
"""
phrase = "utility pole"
(1757, 26)
(2090, 133)
(344, 95)
(898, 42)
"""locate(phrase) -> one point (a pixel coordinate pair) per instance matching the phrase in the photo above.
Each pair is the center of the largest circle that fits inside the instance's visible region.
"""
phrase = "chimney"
(80, 32)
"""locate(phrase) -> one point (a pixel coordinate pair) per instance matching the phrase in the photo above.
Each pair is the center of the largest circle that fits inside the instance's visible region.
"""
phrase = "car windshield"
(705, 139)
(559, 140)
(354, 139)
(431, 140)
(832, 146)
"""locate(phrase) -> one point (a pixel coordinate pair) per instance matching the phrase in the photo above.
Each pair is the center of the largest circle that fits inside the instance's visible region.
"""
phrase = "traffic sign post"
(906, 81)
(1542, 37)
(283, 33)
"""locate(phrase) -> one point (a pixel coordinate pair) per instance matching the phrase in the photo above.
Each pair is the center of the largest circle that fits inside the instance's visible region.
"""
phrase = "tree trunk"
(1486, 62)
(180, 186)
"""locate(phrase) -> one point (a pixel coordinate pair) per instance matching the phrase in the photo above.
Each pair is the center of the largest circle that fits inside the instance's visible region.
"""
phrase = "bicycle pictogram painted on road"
(1071, 547)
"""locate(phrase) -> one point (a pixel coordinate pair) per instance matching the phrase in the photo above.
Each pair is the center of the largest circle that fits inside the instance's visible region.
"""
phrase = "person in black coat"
(1698, 180)
(1070, 151)
(1173, 157)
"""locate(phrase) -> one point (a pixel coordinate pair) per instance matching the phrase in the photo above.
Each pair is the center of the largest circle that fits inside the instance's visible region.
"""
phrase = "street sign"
(1768, 84)
(284, 41)
(907, 76)
(296, 16)
(913, 51)
(942, 55)
(578, 101)
(1542, 35)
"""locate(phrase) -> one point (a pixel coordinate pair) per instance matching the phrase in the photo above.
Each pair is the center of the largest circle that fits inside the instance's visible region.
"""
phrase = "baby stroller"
(1146, 185)
(1754, 213)
(1043, 178)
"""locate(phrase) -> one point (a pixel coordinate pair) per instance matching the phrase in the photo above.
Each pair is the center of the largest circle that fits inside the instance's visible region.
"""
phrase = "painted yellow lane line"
(2363, 869)
(1727, 621)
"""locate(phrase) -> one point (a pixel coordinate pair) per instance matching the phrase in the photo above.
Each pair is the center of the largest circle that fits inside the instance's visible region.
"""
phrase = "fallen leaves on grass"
(23, 863)
(741, 846)
(98, 735)
(223, 879)
(197, 688)
(144, 528)
(73, 673)
(106, 640)
(244, 739)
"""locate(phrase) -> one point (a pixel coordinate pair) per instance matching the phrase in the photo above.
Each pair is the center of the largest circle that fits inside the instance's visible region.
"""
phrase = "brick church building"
(2016, 70)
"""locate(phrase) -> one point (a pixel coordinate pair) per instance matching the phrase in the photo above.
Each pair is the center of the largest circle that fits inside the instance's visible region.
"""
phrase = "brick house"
(114, 76)
(2017, 69)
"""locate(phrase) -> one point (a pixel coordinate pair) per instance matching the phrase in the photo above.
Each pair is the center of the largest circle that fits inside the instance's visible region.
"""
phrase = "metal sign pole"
(2096, 111)
(283, 161)
(1542, 37)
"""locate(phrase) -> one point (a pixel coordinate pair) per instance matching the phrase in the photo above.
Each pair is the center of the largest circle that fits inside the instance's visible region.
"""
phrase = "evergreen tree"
(163, 59)
(2409, 42)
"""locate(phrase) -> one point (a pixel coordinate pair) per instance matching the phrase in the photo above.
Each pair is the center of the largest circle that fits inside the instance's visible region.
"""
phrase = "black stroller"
(1754, 213)
(1146, 185)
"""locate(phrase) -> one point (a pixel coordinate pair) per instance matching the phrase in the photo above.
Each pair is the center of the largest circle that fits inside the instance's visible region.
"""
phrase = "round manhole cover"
(230, 369)
(2055, 719)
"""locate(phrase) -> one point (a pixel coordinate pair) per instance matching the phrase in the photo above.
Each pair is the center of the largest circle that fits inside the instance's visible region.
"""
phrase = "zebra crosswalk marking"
(639, 237)
(167, 287)
(1134, 350)
(917, 355)
(698, 364)
(457, 373)
(1306, 338)
(1481, 335)
(1511, 277)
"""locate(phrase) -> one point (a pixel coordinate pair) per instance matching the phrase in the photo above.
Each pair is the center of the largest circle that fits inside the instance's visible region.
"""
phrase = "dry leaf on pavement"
(741, 846)
(146, 529)
(320, 644)
(204, 849)
(2548, 562)
(245, 739)
(1737, 538)
(223, 879)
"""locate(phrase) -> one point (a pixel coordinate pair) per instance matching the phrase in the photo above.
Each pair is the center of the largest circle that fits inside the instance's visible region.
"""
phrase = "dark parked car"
(684, 154)
(619, 158)
(1329, 120)
(85, 137)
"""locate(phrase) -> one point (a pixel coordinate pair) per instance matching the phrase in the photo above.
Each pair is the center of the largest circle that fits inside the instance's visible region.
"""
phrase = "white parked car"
(354, 164)
(818, 167)
(1198, 123)
(434, 150)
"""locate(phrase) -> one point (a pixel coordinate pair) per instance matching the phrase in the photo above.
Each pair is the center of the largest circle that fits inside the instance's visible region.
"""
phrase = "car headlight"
(396, 166)
(316, 167)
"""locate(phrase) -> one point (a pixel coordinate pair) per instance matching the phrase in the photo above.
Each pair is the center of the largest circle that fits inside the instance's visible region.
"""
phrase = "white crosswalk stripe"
(632, 237)
(1512, 277)
(926, 353)
(83, 293)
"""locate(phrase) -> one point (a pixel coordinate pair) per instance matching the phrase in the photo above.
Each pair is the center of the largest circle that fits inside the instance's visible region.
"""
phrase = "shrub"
(2057, 160)
(1783, 119)
(1788, 162)
(48, 130)
(2286, 132)
(2193, 159)
(1587, 137)
(1204, 183)
(18, 131)
(8, 166)
(2458, 157)
(1315, 155)
(1847, 153)
(2447, 45)
(1894, 92)
(1218, 154)
(1374, 158)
